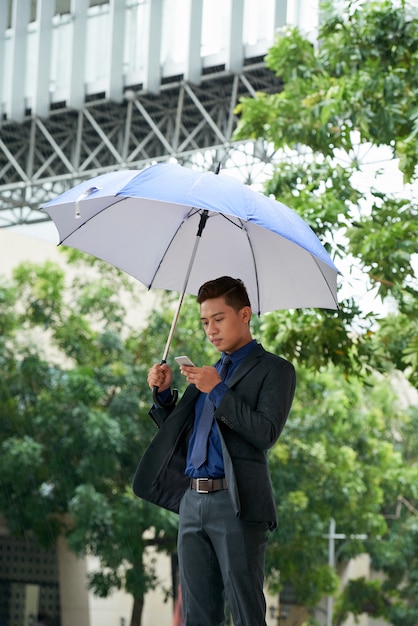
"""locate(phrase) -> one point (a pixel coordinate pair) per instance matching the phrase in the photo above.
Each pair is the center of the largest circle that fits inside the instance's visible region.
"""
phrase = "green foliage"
(71, 436)
(348, 450)
(386, 245)
(312, 338)
(336, 457)
(353, 91)
(7, 302)
(360, 77)
(362, 596)
(74, 423)
(41, 289)
(73, 392)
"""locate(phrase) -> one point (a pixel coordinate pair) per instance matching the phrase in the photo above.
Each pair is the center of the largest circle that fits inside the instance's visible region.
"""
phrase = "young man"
(218, 479)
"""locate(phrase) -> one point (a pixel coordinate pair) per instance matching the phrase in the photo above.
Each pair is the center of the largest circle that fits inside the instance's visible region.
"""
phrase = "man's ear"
(246, 313)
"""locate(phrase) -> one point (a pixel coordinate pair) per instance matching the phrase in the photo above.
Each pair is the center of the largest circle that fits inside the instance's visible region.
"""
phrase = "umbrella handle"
(157, 401)
(162, 405)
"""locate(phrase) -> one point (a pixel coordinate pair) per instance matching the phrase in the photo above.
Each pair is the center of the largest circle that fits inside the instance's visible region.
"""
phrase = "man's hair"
(232, 289)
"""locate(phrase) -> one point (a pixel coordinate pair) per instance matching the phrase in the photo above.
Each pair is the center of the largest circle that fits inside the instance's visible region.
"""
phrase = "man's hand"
(204, 378)
(160, 376)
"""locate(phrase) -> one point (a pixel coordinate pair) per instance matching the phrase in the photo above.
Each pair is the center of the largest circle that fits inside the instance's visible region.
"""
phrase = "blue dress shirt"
(214, 466)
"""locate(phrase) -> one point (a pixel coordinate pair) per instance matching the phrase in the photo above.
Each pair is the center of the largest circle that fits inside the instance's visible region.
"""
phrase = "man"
(225, 497)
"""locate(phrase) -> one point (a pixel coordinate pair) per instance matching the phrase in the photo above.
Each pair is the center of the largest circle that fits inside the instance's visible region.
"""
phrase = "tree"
(70, 437)
(347, 446)
(353, 91)
(74, 423)
(338, 457)
(350, 93)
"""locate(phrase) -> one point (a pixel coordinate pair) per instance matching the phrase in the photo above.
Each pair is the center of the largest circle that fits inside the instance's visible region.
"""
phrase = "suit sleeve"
(159, 415)
(257, 408)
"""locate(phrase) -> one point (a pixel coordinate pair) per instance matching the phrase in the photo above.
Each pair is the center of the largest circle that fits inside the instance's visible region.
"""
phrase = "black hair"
(232, 289)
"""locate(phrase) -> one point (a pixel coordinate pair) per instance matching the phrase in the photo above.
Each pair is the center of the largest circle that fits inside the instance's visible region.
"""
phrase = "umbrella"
(174, 228)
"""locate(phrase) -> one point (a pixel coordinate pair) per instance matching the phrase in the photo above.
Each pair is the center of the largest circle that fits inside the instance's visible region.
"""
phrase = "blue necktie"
(199, 452)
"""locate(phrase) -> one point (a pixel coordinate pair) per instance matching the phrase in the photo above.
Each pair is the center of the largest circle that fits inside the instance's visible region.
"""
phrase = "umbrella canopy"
(174, 228)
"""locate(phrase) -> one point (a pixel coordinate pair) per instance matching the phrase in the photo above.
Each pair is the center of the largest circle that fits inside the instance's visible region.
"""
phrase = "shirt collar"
(242, 352)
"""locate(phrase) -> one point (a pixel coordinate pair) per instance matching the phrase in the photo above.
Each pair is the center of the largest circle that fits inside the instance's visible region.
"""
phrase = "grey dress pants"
(220, 556)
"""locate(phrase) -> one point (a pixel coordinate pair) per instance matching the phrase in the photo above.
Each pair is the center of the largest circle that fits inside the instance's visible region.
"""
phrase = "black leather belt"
(208, 485)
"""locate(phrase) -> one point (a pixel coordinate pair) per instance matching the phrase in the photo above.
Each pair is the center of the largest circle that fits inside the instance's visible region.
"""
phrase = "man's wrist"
(218, 393)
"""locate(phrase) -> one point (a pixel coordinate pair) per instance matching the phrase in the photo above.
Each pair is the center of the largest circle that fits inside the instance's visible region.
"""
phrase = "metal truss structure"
(92, 86)
(42, 157)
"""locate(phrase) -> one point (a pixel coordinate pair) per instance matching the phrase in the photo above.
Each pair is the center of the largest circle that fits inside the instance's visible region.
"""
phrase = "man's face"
(227, 329)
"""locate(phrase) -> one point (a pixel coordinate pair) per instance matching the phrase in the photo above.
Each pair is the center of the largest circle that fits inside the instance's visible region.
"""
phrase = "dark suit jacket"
(250, 419)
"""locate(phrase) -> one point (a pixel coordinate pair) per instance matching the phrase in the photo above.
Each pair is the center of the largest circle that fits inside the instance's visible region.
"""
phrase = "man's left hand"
(204, 378)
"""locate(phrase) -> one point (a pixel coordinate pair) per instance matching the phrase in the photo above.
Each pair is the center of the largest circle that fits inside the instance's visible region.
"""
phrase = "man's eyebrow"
(213, 315)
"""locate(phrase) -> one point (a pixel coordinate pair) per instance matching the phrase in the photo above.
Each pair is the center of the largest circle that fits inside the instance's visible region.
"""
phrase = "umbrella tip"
(218, 167)
(82, 196)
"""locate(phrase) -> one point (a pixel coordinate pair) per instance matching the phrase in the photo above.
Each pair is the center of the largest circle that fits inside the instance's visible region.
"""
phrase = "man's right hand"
(160, 376)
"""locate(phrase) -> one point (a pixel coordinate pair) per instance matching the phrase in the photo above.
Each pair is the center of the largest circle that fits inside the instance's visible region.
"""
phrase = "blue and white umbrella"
(174, 228)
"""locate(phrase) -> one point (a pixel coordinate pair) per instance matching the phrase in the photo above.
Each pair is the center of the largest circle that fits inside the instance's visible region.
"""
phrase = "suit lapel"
(246, 365)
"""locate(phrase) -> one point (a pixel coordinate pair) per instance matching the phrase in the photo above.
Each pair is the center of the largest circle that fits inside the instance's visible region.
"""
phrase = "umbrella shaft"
(173, 326)
(202, 224)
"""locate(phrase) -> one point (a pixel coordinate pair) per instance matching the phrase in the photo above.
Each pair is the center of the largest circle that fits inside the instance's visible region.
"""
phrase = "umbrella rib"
(255, 266)
(190, 214)
(242, 225)
(326, 281)
(88, 220)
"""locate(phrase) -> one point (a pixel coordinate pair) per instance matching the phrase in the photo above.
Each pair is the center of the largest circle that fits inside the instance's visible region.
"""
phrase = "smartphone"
(184, 360)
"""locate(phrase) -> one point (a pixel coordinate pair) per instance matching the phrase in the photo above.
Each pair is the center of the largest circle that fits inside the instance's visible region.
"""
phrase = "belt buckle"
(198, 481)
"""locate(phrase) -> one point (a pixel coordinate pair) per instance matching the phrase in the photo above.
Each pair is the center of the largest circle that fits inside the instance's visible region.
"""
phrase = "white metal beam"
(44, 15)
(205, 114)
(105, 139)
(58, 150)
(12, 160)
(152, 62)
(194, 33)
(280, 13)
(3, 26)
(235, 53)
(115, 50)
(154, 127)
(15, 103)
(77, 53)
